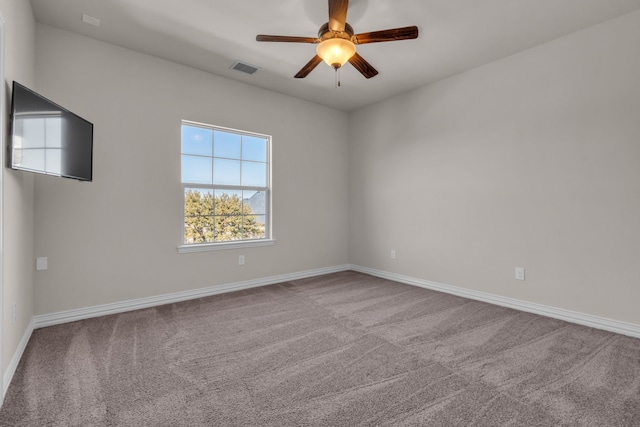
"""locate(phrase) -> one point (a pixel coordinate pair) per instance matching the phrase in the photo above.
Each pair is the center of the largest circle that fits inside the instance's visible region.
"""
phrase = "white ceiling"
(455, 35)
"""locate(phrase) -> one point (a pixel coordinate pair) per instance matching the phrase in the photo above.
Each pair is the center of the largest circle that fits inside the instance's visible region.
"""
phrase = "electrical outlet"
(42, 263)
(519, 273)
(393, 254)
(241, 260)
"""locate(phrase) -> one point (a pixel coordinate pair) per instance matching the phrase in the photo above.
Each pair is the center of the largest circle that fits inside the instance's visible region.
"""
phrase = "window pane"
(228, 228)
(254, 174)
(198, 202)
(226, 172)
(198, 215)
(228, 211)
(198, 229)
(226, 145)
(196, 170)
(254, 227)
(196, 140)
(254, 148)
(255, 202)
(228, 202)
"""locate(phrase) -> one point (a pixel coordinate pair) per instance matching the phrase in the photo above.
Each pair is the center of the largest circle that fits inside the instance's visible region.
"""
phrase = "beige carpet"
(344, 349)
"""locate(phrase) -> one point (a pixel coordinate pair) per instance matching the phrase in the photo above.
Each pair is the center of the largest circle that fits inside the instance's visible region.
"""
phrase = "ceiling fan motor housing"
(324, 33)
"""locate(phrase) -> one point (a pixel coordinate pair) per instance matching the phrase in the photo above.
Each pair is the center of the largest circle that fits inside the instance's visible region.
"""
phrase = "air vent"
(90, 20)
(245, 68)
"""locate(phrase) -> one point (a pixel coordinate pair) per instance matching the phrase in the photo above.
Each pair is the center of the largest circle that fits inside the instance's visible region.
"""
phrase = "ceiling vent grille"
(243, 67)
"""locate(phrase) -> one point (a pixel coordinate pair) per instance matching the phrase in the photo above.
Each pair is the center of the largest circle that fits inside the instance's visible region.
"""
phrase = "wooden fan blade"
(363, 66)
(286, 39)
(404, 33)
(338, 14)
(309, 67)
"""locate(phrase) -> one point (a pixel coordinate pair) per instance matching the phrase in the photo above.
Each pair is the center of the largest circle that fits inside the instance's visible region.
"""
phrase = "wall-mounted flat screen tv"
(49, 139)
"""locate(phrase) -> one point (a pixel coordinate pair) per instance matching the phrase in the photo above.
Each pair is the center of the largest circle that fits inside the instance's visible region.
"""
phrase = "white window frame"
(235, 244)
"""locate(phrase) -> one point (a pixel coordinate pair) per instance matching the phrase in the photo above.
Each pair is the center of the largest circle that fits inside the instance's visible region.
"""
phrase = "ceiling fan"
(337, 42)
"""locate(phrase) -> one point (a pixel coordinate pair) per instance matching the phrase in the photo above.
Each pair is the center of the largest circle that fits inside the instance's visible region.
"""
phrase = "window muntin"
(225, 180)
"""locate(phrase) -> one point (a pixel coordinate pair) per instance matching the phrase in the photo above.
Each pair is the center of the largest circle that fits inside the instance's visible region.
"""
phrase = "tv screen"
(49, 139)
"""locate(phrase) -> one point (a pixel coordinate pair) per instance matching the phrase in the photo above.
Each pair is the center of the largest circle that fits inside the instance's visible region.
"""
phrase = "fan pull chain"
(337, 77)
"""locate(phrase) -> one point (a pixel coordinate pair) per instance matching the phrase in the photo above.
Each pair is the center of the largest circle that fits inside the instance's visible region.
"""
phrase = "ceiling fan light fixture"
(336, 51)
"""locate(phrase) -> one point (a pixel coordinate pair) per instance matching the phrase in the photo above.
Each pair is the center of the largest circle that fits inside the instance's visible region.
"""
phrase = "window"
(226, 186)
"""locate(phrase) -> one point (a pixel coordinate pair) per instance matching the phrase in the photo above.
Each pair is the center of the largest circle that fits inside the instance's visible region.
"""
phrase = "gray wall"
(17, 191)
(115, 239)
(531, 161)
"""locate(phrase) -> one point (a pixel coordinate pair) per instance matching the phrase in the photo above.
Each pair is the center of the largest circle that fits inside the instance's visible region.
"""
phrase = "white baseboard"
(611, 325)
(13, 365)
(44, 320)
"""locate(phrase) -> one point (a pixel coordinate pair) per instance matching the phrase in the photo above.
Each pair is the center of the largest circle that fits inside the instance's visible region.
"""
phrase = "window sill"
(205, 247)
